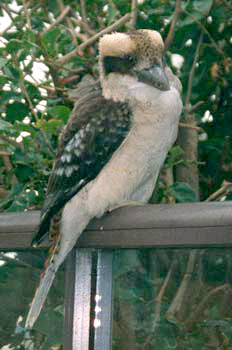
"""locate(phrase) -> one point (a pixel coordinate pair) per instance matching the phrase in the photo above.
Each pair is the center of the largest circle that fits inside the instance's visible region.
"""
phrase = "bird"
(112, 149)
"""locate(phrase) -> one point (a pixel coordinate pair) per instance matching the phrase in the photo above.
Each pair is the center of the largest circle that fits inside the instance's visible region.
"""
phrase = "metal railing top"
(157, 225)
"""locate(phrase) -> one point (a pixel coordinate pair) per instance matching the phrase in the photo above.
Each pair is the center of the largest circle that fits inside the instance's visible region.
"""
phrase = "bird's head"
(137, 54)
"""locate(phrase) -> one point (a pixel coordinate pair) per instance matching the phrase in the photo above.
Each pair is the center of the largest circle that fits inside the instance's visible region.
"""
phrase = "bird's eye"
(131, 59)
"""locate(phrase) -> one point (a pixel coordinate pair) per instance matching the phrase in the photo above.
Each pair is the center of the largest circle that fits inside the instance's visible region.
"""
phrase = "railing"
(192, 225)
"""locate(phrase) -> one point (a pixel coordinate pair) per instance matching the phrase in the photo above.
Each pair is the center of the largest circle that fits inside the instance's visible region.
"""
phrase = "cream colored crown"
(116, 44)
(119, 44)
(155, 37)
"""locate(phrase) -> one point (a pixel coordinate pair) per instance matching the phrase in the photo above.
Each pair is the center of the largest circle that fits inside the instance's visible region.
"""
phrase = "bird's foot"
(127, 204)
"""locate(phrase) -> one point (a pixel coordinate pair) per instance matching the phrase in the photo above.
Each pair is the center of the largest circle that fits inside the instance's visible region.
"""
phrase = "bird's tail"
(41, 294)
(60, 250)
(58, 254)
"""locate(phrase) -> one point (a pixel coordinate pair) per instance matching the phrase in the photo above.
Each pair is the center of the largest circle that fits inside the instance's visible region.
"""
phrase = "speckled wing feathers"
(95, 130)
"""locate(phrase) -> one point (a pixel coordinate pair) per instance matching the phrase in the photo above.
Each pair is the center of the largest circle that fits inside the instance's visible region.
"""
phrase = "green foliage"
(19, 98)
(182, 192)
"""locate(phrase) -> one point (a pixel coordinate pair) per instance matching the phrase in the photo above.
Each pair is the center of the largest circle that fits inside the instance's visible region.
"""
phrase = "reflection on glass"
(172, 299)
(19, 277)
(163, 299)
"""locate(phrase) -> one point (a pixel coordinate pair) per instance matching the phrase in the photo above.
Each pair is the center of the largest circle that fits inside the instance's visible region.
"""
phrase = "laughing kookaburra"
(114, 145)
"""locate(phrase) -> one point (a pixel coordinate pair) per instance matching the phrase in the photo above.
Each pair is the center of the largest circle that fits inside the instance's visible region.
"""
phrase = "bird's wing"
(95, 130)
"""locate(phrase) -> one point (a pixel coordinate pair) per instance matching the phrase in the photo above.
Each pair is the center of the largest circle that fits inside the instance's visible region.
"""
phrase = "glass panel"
(172, 299)
(19, 277)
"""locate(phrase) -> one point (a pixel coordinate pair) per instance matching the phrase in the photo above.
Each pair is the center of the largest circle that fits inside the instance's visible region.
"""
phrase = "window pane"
(19, 277)
(172, 299)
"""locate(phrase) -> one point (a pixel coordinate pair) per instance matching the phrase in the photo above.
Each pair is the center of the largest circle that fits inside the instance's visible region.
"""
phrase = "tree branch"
(168, 178)
(8, 166)
(6, 8)
(68, 22)
(84, 18)
(188, 137)
(170, 35)
(57, 21)
(178, 300)
(229, 6)
(79, 49)
(34, 113)
(27, 14)
(7, 140)
(203, 29)
(4, 153)
(83, 25)
(17, 262)
(192, 72)
(223, 190)
(134, 13)
(195, 106)
(6, 29)
(205, 303)
(190, 126)
(158, 304)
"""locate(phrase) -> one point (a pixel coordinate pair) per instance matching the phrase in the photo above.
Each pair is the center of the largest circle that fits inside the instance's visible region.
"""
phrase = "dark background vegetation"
(63, 35)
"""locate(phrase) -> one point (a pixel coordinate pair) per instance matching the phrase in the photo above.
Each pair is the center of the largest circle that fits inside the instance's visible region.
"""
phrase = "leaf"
(19, 157)
(13, 193)
(3, 80)
(11, 72)
(3, 61)
(202, 6)
(33, 92)
(17, 205)
(49, 40)
(5, 126)
(51, 126)
(5, 96)
(17, 111)
(24, 172)
(175, 155)
(60, 112)
(198, 9)
(30, 37)
(112, 12)
(13, 46)
(183, 192)
(20, 127)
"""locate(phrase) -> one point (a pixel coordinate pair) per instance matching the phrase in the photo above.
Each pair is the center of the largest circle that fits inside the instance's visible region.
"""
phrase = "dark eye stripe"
(119, 64)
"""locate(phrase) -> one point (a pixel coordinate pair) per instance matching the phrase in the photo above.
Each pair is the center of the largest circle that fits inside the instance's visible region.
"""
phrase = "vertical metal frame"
(69, 300)
(78, 300)
(79, 282)
(104, 301)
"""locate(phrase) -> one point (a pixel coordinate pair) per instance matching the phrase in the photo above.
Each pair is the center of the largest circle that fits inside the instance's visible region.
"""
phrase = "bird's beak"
(155, 77)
